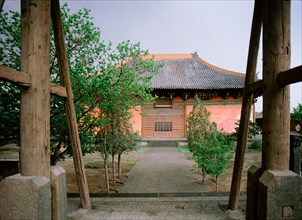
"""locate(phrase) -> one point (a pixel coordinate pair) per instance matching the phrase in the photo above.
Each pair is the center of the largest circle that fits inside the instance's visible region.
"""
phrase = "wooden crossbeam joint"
(20, 78)
(14, 76)
(58, 90)
(287, 77)
(290, 76)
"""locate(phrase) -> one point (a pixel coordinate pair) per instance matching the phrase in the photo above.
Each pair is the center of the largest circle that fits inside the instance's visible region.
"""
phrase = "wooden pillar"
(1, 4)
(246, 105)
(35, 100)
(276, 108)
(69, 106)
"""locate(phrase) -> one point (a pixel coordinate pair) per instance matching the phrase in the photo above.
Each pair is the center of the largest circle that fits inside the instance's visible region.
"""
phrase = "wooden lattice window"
(163, 126)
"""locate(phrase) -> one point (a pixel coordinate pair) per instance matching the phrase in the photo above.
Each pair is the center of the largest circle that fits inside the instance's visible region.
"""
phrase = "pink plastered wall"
(136, 119)
(225, 116)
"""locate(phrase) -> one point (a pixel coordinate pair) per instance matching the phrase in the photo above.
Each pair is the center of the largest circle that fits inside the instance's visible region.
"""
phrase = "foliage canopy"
(212, 149)
(106, 81)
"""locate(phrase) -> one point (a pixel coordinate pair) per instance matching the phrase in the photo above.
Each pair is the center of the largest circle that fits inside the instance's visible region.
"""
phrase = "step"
(164, 143)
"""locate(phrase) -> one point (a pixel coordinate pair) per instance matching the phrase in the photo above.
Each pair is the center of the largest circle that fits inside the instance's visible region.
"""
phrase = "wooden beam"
(276, 104)
(290, 76)
(14, 76)
(1, 4)
(20, 78)
(69, 106)
(35, 100)
(256, 87)
(58, 90)
(246, 105)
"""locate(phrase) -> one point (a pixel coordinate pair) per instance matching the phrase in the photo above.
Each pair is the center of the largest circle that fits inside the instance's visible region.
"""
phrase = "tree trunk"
(119, 164)
(105, 156)
(203, 176)
(216, 181)
(113, 169)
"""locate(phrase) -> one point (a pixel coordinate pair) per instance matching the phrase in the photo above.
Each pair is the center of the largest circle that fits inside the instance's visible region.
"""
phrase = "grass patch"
(92, 165)
(130, 162)
(142, 149)
(183, 149)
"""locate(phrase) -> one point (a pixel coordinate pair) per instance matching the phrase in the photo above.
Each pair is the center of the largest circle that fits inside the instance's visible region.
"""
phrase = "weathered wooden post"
(28, 196)
(69, 106)
(35, 100)
(279, 188)
(248, 99)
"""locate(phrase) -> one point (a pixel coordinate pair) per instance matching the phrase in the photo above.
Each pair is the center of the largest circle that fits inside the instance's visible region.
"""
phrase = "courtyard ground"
(162, 167)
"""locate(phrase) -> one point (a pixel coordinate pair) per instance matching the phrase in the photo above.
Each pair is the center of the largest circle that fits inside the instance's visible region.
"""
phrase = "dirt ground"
(96, 177)
(225, 179)
(95, 174)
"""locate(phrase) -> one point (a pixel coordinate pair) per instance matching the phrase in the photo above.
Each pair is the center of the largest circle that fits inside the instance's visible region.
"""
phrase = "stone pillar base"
(25, 197)
(279, 195)
(58, 193)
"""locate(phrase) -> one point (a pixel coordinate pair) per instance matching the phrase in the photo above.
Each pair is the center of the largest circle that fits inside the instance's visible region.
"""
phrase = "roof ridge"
(190, 56)
(218, 68)
(172, 56)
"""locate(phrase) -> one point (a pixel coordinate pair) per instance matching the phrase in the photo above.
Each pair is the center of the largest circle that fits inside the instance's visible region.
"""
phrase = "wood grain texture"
(276, 108)
(69, 106)
(246, 105)
(35, 100)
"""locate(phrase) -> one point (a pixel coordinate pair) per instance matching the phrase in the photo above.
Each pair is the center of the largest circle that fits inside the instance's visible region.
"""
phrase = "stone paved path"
(163, 169)
(158, 178)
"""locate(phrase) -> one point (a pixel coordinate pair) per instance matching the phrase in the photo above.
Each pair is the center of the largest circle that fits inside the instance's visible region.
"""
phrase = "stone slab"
(58, 193)
(25, 197)
(279, 195)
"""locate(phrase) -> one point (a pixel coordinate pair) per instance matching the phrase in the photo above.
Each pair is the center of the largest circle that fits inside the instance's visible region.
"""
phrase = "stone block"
(279, 196)
(253, 176)
(58, 193)
(25, 197)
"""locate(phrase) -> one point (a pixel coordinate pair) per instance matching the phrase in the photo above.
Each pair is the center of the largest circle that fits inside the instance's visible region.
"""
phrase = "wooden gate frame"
(36, 88)
(276, 80)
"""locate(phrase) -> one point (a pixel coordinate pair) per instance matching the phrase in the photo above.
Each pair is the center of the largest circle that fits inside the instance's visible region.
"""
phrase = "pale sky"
(218, 31)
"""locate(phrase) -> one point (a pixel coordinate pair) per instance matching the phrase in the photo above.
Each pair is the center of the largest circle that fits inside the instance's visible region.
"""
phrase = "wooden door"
(163, 123)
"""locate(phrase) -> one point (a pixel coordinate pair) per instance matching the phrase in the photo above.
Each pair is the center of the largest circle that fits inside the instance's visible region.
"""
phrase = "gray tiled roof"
(192, 73)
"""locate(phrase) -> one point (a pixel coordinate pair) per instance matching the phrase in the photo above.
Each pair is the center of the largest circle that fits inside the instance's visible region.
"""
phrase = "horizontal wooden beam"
(256, 87)
(290, 76)
(23, 79)
(14, 76)
(58, 90)
(287, 77)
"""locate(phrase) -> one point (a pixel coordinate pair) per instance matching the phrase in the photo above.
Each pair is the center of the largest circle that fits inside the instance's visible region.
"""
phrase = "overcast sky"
(218, 31)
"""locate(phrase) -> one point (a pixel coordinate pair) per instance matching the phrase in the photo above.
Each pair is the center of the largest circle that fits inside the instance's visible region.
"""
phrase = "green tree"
(199, 125)
(213, 154)
(296, 115)
(10, 44)
(104, 79)
(253, 129)
(211, 148)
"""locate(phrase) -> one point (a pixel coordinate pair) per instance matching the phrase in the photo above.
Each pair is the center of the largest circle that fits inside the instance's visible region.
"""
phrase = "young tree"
(213, 154)
(253, 129)
(211, 149)
(199, 125)
(296, 115)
